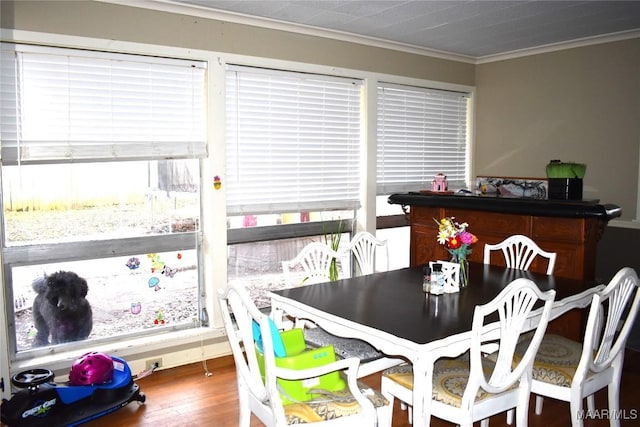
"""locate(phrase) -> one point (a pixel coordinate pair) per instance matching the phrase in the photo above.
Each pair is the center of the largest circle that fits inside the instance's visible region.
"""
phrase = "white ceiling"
(475, 29)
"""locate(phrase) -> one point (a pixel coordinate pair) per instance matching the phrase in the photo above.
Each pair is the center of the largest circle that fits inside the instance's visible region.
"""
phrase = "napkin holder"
(451, 273)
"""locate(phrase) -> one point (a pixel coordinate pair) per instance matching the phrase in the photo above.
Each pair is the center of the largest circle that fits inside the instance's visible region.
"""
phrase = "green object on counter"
(558, 169)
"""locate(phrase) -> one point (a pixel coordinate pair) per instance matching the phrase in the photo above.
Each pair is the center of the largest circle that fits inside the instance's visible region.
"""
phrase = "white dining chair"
(310, 266)
(366, 248)
(259, 391)
(570, 371)
(471, 387)
(313, 261)
(519, 252)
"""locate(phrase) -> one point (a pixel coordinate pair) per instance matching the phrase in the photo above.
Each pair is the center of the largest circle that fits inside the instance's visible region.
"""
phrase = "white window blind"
(63, 105)
(421, 132)
(293, 141)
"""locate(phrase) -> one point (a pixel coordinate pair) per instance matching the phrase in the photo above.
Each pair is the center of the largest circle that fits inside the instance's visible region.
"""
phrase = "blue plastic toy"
(42, 402)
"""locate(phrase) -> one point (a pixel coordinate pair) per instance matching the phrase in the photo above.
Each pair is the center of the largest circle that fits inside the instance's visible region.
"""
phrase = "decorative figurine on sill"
(439, 183)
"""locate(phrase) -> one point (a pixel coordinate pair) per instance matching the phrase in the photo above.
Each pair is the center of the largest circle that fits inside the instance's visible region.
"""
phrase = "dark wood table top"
(393, 301)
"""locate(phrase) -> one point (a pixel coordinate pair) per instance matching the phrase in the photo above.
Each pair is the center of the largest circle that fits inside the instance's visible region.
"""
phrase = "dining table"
(390, 311)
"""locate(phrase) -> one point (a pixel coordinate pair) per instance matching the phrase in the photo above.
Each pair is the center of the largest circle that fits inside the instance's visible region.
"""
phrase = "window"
(101, 176)
(293, 142)
(421, 132)
(293, 149)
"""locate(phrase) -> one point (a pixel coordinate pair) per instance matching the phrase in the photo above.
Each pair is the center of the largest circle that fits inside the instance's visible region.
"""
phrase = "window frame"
(18, 255)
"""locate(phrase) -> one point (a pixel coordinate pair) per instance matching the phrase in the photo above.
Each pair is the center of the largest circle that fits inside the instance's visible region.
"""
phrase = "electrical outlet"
(153, 364)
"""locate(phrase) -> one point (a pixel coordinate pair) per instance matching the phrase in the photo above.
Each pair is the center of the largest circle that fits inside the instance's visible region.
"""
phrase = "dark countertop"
(514, 205)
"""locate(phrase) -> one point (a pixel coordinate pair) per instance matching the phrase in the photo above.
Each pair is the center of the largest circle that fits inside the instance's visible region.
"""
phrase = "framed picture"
(507, 186)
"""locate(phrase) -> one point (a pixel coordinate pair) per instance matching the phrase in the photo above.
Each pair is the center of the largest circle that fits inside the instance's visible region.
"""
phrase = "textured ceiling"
(475, 29)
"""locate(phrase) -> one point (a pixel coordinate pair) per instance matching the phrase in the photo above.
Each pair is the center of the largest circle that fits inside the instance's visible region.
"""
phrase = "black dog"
(61, 309)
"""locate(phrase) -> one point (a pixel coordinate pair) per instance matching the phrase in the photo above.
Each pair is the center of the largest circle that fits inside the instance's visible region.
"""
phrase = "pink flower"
(467, 238)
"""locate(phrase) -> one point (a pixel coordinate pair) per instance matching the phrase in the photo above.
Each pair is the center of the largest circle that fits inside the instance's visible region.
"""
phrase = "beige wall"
(579, 104)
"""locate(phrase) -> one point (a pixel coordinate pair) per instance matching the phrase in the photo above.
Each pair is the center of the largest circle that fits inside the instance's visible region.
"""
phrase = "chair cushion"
(344, 347)
(556, 360)
(330, 405)
(450, 377)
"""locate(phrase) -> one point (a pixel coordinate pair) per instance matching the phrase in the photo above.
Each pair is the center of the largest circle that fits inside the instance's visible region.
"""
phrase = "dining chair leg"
(522, 414)
(245, 411)
(484, 423)
(409, 410)
(510, 417)
(575, 406)
(613, 391)
(385, 415)
(539, 402)
(384, 420)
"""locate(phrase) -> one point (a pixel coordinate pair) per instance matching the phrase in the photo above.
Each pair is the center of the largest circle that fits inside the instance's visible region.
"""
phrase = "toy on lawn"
(136, 307)
(32, 332)
(156, 263)
(168, 271)
(105, 385)
(154, 283)
(133, 263)
(159, 320)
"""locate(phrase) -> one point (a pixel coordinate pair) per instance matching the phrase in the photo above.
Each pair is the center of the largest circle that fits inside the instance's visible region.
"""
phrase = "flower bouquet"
(455, 237)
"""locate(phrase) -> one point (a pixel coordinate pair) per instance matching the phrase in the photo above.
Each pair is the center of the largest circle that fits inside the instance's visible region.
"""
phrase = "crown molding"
(273, 24)
(238, 18)
(553, 47)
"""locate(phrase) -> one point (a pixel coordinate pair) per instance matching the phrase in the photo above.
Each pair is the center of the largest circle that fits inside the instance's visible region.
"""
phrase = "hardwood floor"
(185, 396)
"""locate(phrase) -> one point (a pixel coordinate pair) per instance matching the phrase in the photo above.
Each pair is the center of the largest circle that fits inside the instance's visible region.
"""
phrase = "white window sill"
(190, 343)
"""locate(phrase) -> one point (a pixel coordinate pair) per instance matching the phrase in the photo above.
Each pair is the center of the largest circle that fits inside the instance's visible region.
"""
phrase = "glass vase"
(463, 278)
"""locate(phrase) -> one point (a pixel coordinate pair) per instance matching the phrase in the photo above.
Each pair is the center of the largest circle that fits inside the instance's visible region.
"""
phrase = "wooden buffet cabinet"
(572, 229)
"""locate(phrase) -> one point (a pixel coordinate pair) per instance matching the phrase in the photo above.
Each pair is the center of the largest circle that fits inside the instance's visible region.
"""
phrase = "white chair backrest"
(513, 305)
(262, 397)
(519, 252)
(611, 317)
(249, 378)
(310, 266)
(365, 247)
